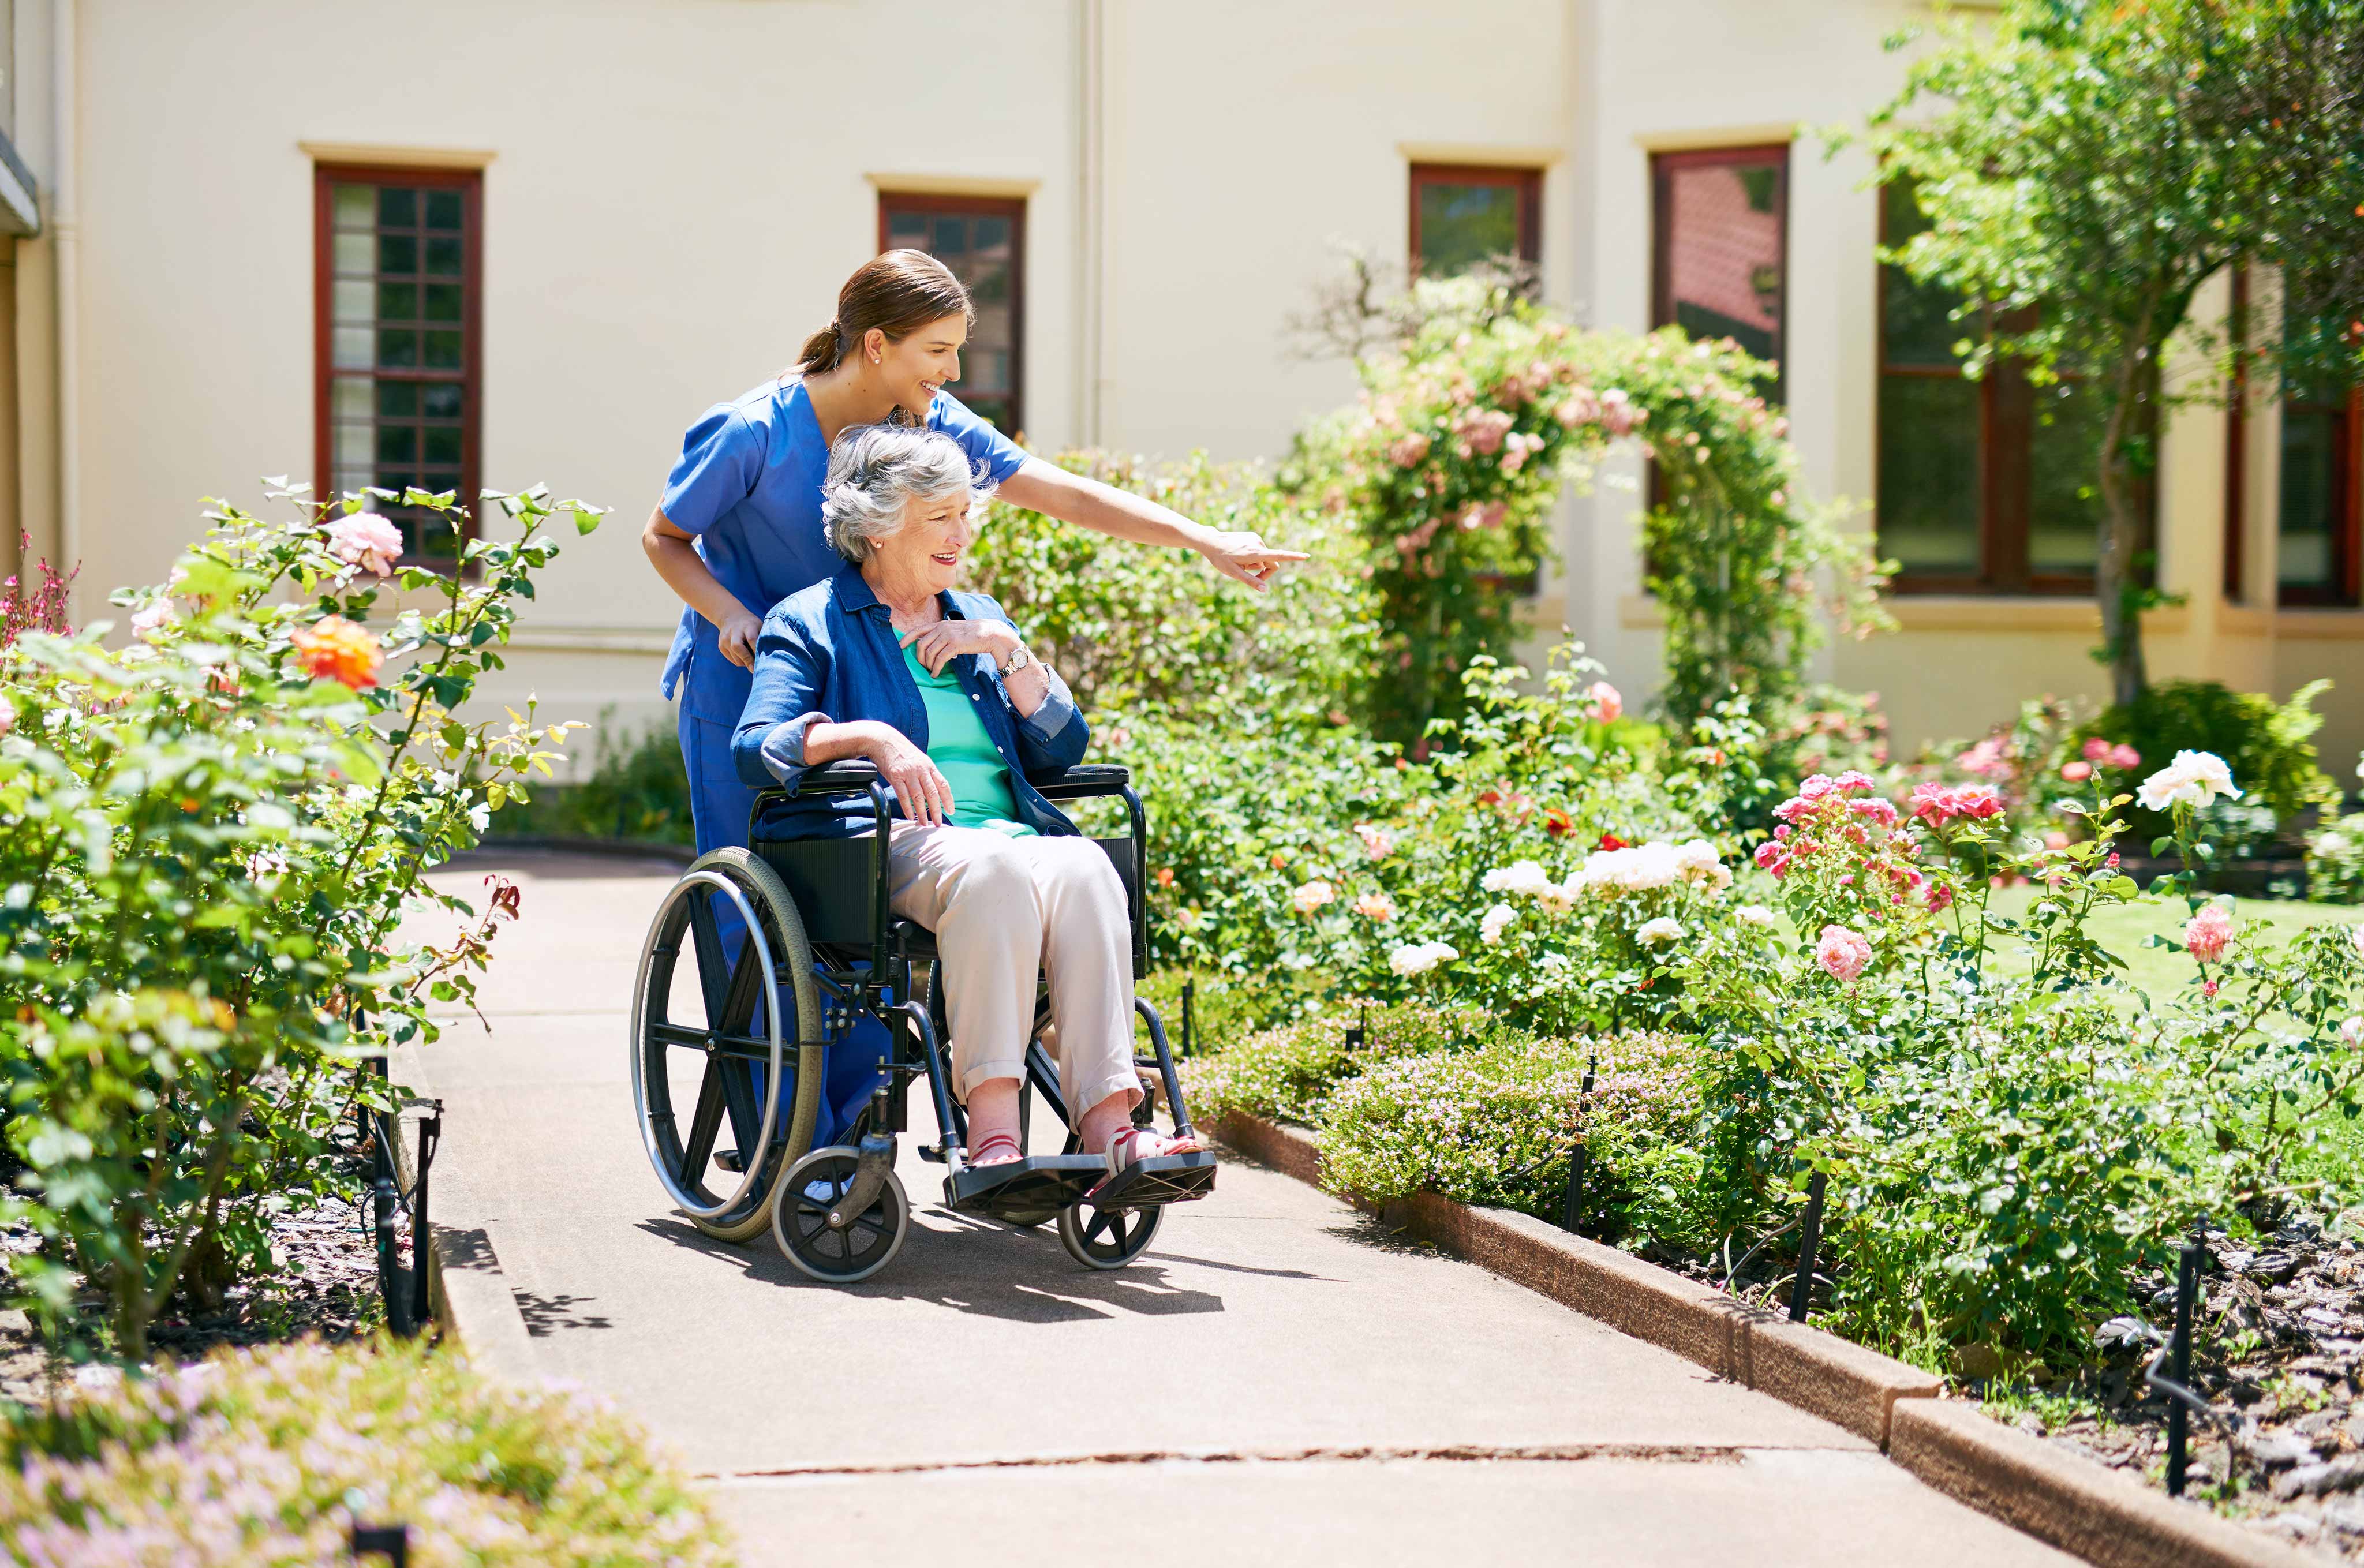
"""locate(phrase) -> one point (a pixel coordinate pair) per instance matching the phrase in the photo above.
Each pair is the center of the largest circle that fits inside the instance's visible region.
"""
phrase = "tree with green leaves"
(2085, 166)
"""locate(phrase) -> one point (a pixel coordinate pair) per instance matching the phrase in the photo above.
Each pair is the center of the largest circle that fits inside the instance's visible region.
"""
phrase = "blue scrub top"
(747, 486)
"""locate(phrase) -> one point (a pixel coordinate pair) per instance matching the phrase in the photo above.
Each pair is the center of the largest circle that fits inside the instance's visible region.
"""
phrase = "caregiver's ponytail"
(899, 292)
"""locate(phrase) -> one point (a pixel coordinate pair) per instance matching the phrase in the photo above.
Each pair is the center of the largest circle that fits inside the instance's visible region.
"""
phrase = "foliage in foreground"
(269, 1457)
(215, 831)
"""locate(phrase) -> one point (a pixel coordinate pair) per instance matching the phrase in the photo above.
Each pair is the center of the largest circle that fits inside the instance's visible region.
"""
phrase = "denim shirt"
(830, 653)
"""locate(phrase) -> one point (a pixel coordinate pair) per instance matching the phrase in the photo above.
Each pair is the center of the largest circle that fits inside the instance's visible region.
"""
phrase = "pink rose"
(1578, 407)
(1482, 429)
(1608, 704)
(2097, 750)
(2208, 934)
(367, 541)
(1409, 451)
(1618, 412)
(1985, 760)
(1851, 780)
(1933, 803)
(2125, 757)
(154, 617)
(1842, 953)
(2077, 772)
(1940, 897)
(8, 719)
(1376, 906)
(1876, 810)
(1978, 800)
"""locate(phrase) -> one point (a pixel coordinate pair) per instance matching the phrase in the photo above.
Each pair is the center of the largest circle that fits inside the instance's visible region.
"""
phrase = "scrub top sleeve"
(721, 458)
(994, 455)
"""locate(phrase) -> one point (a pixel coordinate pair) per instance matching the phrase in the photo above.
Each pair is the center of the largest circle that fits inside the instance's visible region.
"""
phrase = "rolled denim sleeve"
(1054, 735)
(783, 703)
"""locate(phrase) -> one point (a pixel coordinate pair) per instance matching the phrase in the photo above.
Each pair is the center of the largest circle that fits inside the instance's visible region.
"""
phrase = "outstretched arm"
(1043, 487)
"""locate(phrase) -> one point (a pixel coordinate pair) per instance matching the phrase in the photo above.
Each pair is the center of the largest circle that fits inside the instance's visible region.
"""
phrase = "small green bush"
(2269, 746)
(269, 1457)
(637, 791)
(1286, 1072)
(1498, 1125)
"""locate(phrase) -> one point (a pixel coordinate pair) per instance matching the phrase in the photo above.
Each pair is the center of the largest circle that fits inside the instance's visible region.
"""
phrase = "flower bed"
(272, 1457)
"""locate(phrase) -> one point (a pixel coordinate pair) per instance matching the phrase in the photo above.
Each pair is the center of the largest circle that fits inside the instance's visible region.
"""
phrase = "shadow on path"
(1020, 1278)
(545, 1315)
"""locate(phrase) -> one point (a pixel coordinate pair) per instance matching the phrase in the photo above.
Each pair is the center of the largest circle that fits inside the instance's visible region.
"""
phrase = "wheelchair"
(821, 952)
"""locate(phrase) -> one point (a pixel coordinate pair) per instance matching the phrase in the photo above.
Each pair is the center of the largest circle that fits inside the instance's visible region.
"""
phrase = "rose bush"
(213, 833)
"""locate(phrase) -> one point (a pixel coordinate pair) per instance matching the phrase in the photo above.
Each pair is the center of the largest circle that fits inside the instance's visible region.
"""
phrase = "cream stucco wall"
(676, 187)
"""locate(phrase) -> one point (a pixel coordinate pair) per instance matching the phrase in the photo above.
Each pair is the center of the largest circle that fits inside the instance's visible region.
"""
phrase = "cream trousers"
(1003, 909)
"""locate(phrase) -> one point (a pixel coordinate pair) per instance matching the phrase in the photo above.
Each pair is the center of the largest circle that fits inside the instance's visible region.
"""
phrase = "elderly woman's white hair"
(875, 472)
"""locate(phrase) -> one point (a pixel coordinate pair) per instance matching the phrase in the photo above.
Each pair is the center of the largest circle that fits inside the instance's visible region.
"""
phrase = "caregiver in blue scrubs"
(738, 529)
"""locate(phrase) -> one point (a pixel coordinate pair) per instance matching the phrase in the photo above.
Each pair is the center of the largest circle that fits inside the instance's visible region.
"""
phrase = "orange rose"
(338, 649)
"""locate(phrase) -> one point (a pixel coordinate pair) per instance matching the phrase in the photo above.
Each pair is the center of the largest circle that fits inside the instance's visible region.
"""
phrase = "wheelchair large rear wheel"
(757, 1021)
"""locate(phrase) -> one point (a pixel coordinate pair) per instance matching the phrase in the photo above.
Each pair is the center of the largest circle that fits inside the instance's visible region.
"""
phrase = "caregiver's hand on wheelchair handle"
(736, 636)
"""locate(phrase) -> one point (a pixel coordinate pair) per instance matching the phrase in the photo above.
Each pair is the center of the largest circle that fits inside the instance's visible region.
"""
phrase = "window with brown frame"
(983, 240)
(1720, 252)
(398, 342)
(2319, 525)
(1986, 486)
(1463, 214)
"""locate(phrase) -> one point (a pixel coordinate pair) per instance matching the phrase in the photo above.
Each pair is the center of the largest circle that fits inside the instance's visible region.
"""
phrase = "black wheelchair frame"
(819, 919)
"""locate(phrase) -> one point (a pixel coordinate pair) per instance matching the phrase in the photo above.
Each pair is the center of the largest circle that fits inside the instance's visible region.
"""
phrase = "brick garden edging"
(2035, 1487)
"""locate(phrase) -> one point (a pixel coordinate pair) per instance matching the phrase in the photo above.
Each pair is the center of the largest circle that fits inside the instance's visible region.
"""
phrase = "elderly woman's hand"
(937, 644)
(925, 794)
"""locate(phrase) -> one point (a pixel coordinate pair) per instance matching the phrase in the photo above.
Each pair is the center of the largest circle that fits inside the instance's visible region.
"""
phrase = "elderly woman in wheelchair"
(967, 739)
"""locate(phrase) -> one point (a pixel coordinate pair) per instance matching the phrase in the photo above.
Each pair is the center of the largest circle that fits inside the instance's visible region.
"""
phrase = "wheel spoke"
(713, 968)
(677, 1034)
(703, 1126)
(1103, 1222)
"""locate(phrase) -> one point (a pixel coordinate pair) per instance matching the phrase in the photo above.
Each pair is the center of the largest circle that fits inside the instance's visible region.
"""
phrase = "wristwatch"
(1019, 658)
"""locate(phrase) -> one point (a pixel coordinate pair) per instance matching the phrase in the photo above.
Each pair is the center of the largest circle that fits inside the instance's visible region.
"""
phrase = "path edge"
(466, 1289)
(2072, 1503)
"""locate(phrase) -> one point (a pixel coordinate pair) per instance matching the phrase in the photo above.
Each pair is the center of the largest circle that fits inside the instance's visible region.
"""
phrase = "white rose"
(1662, 929)
(1519, 876)
(1419, 958)
(1490, 928)
(1757, 914)
(2195, 778)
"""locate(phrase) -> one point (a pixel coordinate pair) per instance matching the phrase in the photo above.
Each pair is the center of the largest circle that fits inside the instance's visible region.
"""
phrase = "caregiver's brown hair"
(899, 292)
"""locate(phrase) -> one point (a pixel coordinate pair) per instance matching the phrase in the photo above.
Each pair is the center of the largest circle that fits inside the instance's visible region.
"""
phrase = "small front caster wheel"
(1107, 1237)
(867, 1243)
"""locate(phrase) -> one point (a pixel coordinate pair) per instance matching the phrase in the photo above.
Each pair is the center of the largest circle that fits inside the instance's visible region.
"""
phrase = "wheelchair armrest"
(1082, 781)
(837, 778)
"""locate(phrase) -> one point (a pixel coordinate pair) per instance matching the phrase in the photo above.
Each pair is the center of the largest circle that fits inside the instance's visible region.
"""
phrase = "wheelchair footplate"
(1161, 1179)
(1024, 1192)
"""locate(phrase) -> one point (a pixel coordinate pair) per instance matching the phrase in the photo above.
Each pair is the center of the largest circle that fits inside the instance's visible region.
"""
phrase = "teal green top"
(965, 754)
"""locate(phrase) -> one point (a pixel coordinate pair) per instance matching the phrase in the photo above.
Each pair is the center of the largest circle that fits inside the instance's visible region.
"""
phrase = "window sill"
(1980, 612)
(2325, 624)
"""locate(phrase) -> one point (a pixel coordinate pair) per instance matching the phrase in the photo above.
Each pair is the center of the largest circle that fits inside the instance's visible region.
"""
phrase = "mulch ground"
(2279, 1354)
(326, 1287)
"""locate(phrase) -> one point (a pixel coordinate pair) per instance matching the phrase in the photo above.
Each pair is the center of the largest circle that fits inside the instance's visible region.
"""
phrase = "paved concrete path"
(1278, 1380)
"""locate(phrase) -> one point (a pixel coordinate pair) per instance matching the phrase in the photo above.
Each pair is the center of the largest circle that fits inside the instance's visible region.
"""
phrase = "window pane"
(1917, 318)
(443, 210)
(981, 248)
(442, 443)
(397, 351)
(397, 253)
(2310, 509)
(1930, 488)
(351, 350)
(992, 234)
(398, 399)
(398, 301)
(356, 444)
(352, 301)
(1462, 225)
(443, 255)
(356, 253)
(1724, 260)
(351, 396)
(440, 400)
(443, 350)
(951, 237)
(2064, 503)
(354, 206)
(442, 302)
(907, 231)
(398, 443)
(397, 207)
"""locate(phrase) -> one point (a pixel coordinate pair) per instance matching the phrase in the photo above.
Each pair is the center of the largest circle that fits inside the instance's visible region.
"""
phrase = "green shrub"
(636, 791)
(1288, 1072)
(215, 832)
(2269, 746)
(272, 1456)
(1133, 627)
(1498, 1125)
(2335, 861)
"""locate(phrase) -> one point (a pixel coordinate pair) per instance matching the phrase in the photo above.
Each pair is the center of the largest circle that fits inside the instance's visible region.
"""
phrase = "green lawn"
(2162, 970)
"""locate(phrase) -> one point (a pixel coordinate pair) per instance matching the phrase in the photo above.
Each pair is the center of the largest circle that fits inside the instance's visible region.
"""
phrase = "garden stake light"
(1189, 991)
(392, 1541)
(1580, 1162)
(1809, 1238)
(2178, 1350)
